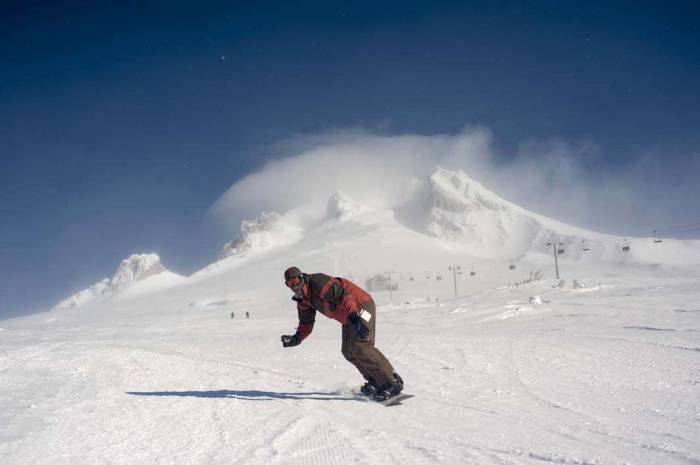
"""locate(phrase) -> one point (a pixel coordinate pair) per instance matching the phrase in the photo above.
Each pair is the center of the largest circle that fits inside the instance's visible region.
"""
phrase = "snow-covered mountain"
(456, 207)
(450, 205)
(444, 219)
(85, 296)
(341, 207)
(267, 232)
(259, 232)
(507, 363)
(137, 267)
(446, 205)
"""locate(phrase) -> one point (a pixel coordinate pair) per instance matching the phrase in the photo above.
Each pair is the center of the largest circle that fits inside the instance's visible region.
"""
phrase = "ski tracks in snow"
(542, 388)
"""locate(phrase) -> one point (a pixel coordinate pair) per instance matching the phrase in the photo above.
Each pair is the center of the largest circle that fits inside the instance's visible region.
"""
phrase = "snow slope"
(131, 276)
(513, 371)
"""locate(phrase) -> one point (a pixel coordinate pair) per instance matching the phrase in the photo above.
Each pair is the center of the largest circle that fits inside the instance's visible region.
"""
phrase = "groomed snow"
(609, 375)
(514, 371)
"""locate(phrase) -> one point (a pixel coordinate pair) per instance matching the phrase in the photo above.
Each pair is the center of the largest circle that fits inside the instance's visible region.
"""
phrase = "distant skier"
(344, 301)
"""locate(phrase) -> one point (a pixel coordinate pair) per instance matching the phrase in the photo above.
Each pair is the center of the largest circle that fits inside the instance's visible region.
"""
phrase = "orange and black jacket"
(336, 298)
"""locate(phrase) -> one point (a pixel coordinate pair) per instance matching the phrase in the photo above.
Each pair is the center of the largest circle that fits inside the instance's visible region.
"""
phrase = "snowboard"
(396, 400)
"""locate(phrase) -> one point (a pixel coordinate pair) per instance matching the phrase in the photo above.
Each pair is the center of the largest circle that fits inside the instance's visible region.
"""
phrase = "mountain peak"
(267, 231)
(341, 207)
(456, 207)
(455, 191)
(135, 268)
(257, 231)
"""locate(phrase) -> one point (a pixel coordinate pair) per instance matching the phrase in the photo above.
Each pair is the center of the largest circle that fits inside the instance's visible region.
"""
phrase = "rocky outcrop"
(135, 268)
(260, 231)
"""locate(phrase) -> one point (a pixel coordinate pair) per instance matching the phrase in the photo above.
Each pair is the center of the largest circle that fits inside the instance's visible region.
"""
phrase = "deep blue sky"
(121, 124)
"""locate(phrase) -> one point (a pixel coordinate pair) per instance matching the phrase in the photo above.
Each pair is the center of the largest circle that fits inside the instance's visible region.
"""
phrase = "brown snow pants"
(367, 359)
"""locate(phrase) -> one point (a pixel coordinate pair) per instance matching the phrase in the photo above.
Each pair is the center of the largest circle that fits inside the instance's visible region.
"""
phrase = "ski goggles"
(293, 282)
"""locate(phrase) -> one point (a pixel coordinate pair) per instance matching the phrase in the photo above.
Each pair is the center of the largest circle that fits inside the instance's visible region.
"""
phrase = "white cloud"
(568, 182)
(371, 169)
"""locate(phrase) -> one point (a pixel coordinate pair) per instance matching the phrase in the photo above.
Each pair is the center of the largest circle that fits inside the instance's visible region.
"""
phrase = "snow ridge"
(341, 207)
(259, 232)
(84, 296)
(447, 205)
(135, 268)
(459, 208)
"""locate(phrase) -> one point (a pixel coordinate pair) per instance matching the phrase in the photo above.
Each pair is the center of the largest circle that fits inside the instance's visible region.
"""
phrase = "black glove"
(290, 341)
(358, 324)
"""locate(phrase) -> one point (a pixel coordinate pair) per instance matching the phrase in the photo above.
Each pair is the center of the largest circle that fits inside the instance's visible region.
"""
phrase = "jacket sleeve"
(307, 318)
(343, 300)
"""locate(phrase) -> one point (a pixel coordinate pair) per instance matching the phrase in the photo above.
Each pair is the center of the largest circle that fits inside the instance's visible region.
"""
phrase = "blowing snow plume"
(569, 182)
(376, 171)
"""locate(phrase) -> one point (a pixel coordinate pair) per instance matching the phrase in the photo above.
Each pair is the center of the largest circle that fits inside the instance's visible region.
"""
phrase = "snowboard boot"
(389, 390)
(369, 388)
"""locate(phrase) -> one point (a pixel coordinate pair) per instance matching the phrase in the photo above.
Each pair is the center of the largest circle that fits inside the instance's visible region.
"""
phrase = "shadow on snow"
(248, 395)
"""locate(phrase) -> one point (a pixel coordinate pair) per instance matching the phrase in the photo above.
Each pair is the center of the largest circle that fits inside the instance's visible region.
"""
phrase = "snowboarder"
(344, 301)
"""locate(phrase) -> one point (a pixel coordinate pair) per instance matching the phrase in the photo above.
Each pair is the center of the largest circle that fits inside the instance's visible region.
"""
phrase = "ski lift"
(427, 276)
(511, 266)
(560, 250)
(657, 239)
(472, 272)
(584, 247)
(438, 277)
(411, 278)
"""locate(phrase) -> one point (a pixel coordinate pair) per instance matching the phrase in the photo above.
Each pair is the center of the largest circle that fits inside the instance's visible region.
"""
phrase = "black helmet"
(294, 279)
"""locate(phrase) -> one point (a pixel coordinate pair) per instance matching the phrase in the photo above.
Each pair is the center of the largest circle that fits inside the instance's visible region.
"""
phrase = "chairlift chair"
(511, 266)
(625, 247)
(657, 239)
(472, 272)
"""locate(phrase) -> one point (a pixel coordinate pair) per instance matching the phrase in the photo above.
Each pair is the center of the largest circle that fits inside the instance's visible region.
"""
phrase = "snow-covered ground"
(605, 374)
(514, 371)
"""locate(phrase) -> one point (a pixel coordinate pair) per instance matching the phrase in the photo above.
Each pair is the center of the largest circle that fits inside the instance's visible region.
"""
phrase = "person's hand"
(358, 324)
(290, 341)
